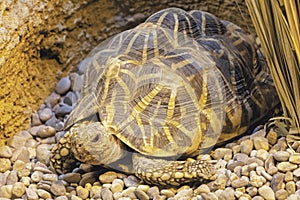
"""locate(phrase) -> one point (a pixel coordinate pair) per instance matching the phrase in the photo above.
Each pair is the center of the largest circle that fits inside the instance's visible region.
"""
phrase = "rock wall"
(42, 40)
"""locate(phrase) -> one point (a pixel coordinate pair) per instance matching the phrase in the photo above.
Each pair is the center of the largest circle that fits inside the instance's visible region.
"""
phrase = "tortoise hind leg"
(165, 172)
(62, 159)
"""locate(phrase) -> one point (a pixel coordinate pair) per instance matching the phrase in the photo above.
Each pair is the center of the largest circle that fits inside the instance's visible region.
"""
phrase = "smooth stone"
(131, 181)
(72, 177)
(16, 142)
(95, 191)
(12, 177)
(290, 187)
(37, 176)
(83, 65)
(296, 172)
(87, 178)
(63, 85)
(252, 191)
(141, 194)
(43, 194)
(167, 192)
(266, 192)
(277, 182)
(272, 137)
(5, 164)
(3, 178)
(281, 156)
(288, 176)
(202, 189)
(58, 188)
(19, 165)
(246, 146)
(153, 192)
(61, 198)
(295, 158)
(35, 119)
(222, 153)
(21, 154)
(117, 185)
(286, 166)
(185, 193)
(46, 131)
(261, 143)
(108, 177)
(233, 164)
(55, 123)
(281, 194)
(5, 152)
(256, 180)
(18, 189)
(82, 192)
(45, 114)
(50, 177)
(6, 191)
(106, 194)
(262, 154)
(43, 153)
(241, 182)
(70, 99)
(52, 99)
(26, 180)
(62, 110)
(31, 194)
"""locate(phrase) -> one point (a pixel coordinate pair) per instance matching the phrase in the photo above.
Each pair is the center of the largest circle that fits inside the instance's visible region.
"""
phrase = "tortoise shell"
(177, 83)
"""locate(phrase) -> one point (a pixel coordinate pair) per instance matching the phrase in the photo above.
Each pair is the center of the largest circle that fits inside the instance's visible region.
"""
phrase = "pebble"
(45, 114)
(82, 192)
(62, 110)
(295, 158)
(31, 194)
(117, 185)
(131, 181)
(18, 189)
(58, 188)
(6, 191)
(290, 187)
(266, 192)
(72, 177)
(261, 143)
(222, 153)
(277, 182)
(106, 194)
(70, 99)
(43, 153)
(246, 146)
(202, 189)
(286, 166)
(241, 182)
(281, 194)
(5, 152)
(46, 131)
(296, 172)
(63, 85)
(43, 194)
(52, 99)
(5, 164)
(141, 194)
(281, 156)
(12, 178)
(108, 177)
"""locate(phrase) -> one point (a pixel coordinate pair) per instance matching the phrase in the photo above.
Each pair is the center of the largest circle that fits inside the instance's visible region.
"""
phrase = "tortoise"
(157, 95)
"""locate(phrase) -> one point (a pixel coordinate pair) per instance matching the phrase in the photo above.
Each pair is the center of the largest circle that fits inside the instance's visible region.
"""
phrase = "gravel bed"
(257, 166)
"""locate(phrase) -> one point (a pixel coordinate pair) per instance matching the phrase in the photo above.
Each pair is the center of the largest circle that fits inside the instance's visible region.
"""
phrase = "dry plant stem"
(277, 26)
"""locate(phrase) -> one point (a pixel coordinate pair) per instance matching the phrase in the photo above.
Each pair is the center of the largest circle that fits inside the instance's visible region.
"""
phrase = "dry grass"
(277, 26)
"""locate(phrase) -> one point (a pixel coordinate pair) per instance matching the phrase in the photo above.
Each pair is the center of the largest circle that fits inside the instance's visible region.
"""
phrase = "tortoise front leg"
(166, 172)
(62, 159)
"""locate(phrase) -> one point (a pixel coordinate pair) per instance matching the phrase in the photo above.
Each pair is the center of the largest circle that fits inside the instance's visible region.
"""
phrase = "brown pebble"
(281, 156)
(246, 146)
(82, 192)
(153, 192)
(277, 182)
(286, 166)
(290, 187)
(266, 192)
(72, 177)
(261, 143)
(12, 177)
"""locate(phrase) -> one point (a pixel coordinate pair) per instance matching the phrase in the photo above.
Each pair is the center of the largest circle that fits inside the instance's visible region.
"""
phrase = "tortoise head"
(92, 143)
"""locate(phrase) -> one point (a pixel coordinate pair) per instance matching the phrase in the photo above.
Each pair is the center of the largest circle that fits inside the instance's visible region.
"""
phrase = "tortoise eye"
(96, 138)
